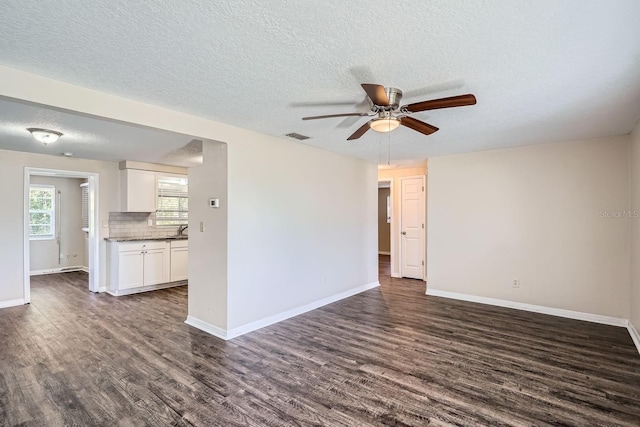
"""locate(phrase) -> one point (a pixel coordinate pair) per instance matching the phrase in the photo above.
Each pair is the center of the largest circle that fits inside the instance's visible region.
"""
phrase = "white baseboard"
(207, 327)
(577, 315)
(122, 292)
(384, 253)
(58, 270)
(11, 303)
(258, 324)
(102, 289)
(635, 336)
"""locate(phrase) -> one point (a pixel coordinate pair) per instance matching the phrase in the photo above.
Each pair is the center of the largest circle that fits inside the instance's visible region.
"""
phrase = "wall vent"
(297, 136)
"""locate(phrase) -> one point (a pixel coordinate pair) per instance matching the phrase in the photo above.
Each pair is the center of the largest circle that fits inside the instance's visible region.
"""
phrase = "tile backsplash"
(125, 225)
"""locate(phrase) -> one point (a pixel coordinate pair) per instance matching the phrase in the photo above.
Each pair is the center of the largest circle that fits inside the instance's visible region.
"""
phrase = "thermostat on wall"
(214, 203)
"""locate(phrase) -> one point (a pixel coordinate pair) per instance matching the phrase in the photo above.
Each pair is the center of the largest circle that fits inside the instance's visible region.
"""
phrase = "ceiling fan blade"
(435, 104)
(377, 94)
(328, 116)
(361, 131)
(322, 103)
(418, 125)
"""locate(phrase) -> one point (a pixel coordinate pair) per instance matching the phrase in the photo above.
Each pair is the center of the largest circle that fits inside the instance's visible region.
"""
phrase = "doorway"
(92, 181)
(386, 250)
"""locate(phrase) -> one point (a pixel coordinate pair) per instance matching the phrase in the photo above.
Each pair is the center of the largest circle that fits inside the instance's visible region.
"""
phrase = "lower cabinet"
(179, 260)
(129, 272)
(136, 265)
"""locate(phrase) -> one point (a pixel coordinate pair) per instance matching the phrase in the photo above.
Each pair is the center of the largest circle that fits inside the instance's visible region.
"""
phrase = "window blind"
(173, 201)
(84, 188)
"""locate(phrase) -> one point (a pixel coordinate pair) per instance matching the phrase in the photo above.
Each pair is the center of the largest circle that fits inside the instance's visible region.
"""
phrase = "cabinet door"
(130, 273)
(156, 266)
(138, 190)
(179, 264)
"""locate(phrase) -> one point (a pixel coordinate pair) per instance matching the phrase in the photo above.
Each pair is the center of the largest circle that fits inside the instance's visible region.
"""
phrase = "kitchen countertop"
(141, 239)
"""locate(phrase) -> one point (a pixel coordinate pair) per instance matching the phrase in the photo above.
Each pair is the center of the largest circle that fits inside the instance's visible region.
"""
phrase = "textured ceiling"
(542, 71)
(94, 138)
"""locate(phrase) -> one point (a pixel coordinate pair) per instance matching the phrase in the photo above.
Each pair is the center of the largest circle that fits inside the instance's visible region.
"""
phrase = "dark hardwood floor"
(387, 357)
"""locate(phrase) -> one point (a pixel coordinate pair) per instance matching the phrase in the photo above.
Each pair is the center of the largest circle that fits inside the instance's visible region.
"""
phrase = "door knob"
(404, 233)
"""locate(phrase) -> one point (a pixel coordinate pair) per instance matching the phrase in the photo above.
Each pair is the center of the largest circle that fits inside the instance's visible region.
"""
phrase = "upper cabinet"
(138, 190)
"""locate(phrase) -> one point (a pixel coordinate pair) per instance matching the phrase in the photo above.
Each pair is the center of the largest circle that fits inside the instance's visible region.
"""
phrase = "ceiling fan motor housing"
(394, 95)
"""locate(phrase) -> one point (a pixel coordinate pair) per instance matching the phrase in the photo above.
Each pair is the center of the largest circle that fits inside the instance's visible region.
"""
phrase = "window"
(42, 212)
(173, 200)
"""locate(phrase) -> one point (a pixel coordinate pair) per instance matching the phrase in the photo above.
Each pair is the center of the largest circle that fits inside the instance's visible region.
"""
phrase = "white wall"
(272, 238)
(634, 300)
(12, 164)
(43, 254)
(208, 249)
(297, 214)
(533, 213)
(396, 174)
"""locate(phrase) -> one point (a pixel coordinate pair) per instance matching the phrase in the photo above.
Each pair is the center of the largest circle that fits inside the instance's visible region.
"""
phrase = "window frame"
(51, 212)
(160, 222)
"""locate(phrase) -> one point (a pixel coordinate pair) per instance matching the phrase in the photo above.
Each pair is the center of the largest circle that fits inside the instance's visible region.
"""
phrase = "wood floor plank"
(387, 357)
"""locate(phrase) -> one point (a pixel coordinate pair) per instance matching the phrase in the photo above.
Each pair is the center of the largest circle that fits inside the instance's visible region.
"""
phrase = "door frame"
(424, 229)
(94, 218)
(392, 243)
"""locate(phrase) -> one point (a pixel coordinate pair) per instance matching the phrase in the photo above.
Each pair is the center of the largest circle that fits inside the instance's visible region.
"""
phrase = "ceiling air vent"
(297, 136)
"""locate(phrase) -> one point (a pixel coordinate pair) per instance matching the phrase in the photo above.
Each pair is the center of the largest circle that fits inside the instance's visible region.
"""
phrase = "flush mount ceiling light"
(386, 124)
(45, 136)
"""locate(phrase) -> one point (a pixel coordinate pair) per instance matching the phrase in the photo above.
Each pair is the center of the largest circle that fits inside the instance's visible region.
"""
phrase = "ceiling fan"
(388, 114)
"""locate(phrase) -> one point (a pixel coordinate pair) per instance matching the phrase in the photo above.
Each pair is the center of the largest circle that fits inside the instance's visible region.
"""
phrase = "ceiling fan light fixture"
(386, 124)
(45, 136)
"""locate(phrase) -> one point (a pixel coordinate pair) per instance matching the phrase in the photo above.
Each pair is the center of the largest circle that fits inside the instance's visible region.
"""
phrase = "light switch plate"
(214, 203)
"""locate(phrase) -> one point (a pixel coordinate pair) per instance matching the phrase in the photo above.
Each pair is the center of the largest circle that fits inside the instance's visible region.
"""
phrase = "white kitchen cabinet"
(136, 266)
(157, 266)
(179, 260)
(130, 271)
(138, 190)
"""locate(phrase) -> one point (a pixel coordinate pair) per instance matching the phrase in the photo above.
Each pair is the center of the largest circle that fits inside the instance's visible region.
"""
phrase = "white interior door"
(412, 228)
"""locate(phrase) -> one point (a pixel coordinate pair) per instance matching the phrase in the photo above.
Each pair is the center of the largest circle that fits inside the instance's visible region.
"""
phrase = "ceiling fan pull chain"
(389, 152)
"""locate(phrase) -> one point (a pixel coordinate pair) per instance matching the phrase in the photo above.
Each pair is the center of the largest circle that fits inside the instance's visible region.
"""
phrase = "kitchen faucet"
(182, 228)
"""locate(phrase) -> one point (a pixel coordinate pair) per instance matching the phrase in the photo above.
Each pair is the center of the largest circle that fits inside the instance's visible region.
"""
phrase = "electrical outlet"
(516, 283)
(150, 222)
(61, 256)
(202, 226)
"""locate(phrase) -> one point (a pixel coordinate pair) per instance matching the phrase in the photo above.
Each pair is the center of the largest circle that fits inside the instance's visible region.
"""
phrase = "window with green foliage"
(42, 211)
(173, 200)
